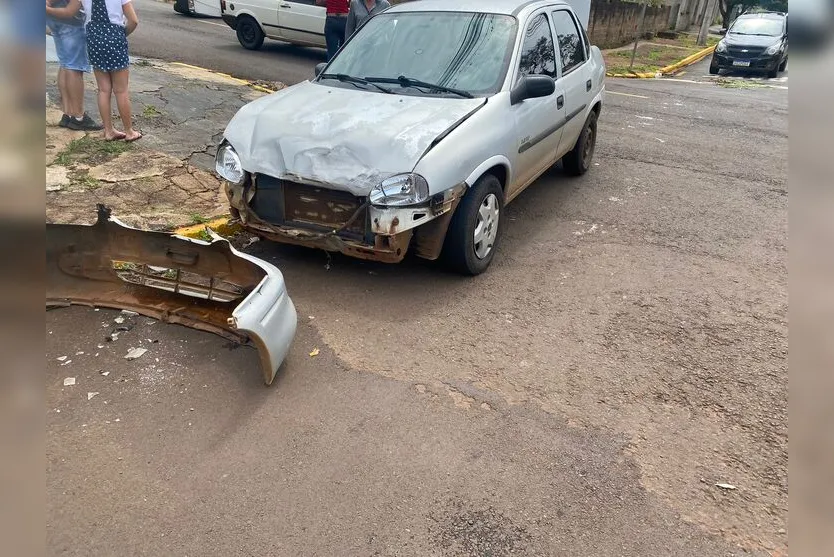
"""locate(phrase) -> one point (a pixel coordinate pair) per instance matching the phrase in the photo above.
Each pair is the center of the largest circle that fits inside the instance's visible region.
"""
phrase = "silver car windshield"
(468, 52)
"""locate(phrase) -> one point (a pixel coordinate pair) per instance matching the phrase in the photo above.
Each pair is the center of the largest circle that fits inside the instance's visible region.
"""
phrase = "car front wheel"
(475, 228)
(249, 33)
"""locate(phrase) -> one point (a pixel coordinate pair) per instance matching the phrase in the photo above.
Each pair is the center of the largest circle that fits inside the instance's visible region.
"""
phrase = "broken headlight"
(227, 165)
(401, 190)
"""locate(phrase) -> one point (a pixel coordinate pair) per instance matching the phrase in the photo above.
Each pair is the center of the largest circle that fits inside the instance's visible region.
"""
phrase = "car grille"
(289, 203)
(744, 52)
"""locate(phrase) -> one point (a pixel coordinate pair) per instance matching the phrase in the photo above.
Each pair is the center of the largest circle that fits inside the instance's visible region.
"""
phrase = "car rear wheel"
(578, 160)
(475, 228)
(249, 33)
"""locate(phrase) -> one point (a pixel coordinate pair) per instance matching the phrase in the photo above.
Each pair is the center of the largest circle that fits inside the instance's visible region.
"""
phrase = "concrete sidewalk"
(164, 180)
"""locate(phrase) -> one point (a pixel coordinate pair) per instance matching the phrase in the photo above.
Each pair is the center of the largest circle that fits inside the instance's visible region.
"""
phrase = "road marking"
(212, 23)
(627, 94)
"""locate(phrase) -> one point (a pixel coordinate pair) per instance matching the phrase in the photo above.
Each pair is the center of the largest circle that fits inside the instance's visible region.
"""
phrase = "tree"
(726, 7)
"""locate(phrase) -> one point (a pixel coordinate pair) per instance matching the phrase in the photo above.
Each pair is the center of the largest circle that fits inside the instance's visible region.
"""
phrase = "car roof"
(507, 7)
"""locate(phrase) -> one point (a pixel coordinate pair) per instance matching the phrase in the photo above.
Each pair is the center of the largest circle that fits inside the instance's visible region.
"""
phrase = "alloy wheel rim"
(486, 226)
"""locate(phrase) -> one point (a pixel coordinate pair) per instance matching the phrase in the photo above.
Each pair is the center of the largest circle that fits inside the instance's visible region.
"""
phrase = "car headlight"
(400, 190)
(227, 165)
(774, 48)
(721, 47)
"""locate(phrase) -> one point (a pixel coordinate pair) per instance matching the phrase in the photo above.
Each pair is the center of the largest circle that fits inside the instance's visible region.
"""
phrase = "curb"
(220, 225)
(670, 69)
(227, 76)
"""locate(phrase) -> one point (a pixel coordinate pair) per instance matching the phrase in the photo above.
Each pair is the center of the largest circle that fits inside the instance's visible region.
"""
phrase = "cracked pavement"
(164, 180)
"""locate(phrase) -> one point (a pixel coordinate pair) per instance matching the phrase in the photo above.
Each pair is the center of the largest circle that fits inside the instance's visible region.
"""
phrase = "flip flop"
(134, 139)
(118, 137)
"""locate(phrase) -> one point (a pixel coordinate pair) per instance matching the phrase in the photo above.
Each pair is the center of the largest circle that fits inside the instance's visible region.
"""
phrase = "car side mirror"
(532, 87)
(320, 68)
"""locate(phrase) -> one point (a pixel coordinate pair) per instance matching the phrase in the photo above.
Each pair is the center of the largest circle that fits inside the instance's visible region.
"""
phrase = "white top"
(114, 11)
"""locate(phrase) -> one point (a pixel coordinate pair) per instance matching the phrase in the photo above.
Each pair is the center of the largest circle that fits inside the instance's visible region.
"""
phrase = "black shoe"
(90, 124)
(74, 123)
(64, 121)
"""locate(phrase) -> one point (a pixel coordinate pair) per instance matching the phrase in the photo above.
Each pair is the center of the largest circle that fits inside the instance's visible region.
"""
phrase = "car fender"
(491, 162)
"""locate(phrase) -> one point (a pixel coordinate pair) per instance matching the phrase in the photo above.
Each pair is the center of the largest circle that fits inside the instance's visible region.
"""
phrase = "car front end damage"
(208, 286)
(295, 211)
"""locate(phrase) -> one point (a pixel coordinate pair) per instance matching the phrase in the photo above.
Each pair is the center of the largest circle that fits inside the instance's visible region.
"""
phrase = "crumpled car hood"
(341, 138)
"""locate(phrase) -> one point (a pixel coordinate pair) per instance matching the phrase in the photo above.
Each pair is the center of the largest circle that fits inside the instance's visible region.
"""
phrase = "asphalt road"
(626, 352)
(208, 42)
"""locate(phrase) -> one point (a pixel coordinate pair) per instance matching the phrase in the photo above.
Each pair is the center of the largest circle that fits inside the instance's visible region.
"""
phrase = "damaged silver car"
(205, 285)
(426, 123)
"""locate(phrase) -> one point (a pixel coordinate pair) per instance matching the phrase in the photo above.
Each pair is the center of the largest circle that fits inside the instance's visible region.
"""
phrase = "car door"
(538, 122)
(576, 79)
(302, 22)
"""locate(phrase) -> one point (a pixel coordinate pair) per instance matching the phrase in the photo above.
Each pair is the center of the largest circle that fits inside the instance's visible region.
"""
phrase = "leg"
(121, 81)
(62, 89)
(331, 36)
(75, 93)
(341, 24)
(105, 90)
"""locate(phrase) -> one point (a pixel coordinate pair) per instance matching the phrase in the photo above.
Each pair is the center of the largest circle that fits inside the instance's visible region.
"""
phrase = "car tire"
(713, 68)
(783, 66)
(578, 160)
(249, 33)
(481, 207)
(773, 73)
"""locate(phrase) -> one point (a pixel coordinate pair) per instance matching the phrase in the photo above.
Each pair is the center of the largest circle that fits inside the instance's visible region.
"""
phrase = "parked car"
(298, 22)
(754, 42)
(209, 8)
(429, 120)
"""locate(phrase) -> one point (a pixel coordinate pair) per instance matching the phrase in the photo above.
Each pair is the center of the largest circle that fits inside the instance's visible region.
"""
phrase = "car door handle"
(560, 101)
(287, 6)
(588, 85)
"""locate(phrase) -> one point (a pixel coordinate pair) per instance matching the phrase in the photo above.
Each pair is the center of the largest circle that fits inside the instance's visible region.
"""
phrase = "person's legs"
(341, 25)
(121, 82)
(62, 91)
(105, 90)
(73, 55)
(331, 36)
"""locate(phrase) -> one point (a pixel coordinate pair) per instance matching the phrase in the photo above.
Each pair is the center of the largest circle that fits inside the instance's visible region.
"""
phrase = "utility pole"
(639, 32)
(709, 15)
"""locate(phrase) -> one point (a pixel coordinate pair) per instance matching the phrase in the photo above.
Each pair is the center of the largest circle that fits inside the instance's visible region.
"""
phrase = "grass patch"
(651, 56)
(150, 111)
(203, 235)
(91, 149)
(197, 218)
(637, 68)
(85, 181)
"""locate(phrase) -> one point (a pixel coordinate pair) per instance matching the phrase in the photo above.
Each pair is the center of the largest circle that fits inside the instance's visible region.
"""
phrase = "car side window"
(571, 47)
(538, 55)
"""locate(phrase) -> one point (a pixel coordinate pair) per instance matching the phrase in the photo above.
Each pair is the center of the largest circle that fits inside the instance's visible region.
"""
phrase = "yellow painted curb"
(227, 76)
(670, 69)
(697, 57)
(220, 225)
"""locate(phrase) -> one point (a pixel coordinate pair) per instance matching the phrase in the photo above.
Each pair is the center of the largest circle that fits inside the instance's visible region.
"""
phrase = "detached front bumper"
(207, 286)
(331, 220)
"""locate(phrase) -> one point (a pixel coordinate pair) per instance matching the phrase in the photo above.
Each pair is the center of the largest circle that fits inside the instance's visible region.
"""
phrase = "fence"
(613, 23)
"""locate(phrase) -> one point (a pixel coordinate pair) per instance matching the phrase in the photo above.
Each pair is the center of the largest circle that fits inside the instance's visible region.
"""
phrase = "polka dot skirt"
(106, 41)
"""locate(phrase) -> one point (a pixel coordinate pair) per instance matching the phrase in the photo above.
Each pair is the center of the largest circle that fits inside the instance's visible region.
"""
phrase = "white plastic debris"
(128, 312)
(69, 381)
(105, 373)
(725, 486)
(119, 319)
(67, 362)
(91, 395)
(61, 358)
(134, 353)
(79, 353)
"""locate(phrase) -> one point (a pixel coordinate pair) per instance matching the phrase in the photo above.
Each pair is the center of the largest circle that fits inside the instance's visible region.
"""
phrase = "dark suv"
(754, 42)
